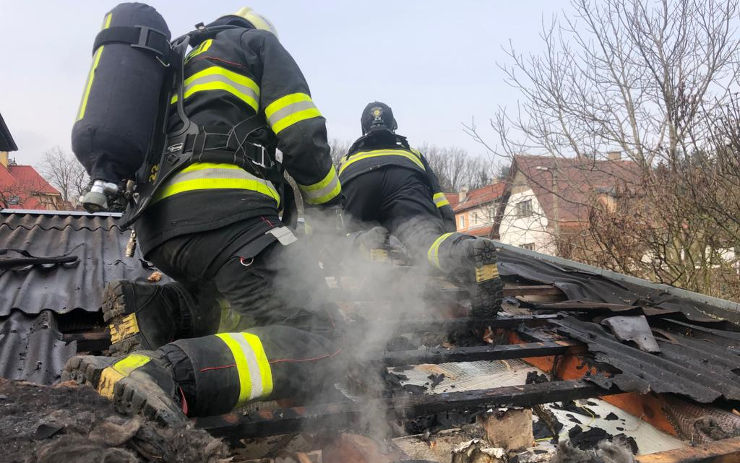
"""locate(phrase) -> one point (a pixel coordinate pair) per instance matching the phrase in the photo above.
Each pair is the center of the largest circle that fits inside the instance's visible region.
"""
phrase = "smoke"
(369, 298)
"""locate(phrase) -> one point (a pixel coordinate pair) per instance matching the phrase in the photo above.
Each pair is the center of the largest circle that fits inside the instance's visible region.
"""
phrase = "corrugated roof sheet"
(701, 370)
(32, 349)
(581, 285)
(96, 239)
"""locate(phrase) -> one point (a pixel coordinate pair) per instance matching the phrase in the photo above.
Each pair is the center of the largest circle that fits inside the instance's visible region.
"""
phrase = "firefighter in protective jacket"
(387, 183)
(213, 226)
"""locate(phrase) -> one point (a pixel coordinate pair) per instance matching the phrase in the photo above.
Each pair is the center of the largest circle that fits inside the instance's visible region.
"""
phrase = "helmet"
(254, 19)
(377, 116)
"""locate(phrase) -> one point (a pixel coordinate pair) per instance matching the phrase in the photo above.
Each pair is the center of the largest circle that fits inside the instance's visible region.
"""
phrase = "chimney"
(4, 158)
(614, 155)
(463, 194)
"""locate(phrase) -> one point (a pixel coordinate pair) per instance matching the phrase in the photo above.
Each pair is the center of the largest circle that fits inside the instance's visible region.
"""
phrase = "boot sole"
(129, 397)
(124, 327)
(488, 288)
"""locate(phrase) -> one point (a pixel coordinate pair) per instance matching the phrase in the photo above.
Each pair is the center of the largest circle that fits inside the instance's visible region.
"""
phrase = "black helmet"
(377, 116)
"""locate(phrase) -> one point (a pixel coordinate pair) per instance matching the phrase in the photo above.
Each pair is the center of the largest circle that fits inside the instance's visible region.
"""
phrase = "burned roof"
(69, 256)
(704, 371)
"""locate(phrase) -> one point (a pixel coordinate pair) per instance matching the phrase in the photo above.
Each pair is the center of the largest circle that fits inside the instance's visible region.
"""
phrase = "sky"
(435, 63)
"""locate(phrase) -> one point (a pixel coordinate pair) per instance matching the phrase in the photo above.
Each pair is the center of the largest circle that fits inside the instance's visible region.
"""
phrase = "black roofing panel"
(6, 140)
(701, 370)
(580, 285)
(31, 348)
(96, 240)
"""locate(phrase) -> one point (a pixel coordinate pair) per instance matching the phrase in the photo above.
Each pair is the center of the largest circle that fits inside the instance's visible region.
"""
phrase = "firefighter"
(388, 184)
(213, 226)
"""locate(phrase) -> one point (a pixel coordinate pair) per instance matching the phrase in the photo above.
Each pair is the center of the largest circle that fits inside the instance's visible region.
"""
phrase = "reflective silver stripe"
(290, 109)
(315, 196)
(215, 172)
(221, 78)
(254, 369)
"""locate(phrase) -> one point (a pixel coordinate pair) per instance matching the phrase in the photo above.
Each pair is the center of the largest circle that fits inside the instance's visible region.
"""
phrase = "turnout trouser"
(400, 200)
(278, 338)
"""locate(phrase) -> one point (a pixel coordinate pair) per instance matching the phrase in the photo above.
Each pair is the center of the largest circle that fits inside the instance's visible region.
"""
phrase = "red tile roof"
(27, 175)
(578, 182)
(453, 199)
(479, 196)
(25, 182)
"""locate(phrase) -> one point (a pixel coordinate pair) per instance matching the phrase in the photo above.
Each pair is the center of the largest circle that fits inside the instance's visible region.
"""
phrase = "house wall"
(531, 230)
(477, 217)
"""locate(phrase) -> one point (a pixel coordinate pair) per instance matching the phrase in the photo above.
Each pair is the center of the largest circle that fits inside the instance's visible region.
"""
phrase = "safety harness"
(250, 144)
(376, 137)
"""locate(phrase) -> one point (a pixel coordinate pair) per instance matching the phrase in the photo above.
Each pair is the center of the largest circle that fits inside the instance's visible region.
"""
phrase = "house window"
(475, 218)
(524, 208)
(529, 246)
(492, 213)
(14, 200)
(462, 221)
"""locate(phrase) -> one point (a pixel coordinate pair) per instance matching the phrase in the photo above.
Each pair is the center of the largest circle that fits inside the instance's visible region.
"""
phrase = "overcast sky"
(433, 62)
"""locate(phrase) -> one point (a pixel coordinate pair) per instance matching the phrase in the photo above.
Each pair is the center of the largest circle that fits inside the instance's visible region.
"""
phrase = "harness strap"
(143, 37)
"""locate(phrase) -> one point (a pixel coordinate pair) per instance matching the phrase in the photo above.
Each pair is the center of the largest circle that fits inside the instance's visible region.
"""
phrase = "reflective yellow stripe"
(264, 365)
(116, 372)
(126, 365)
(290, 109)
(96, 60)
(323, 191)
(433, 252)
(205, 45)
(210, 176)
(440, 200)
(242, 367)
(375, 153)
(218, 78)
(253, 369)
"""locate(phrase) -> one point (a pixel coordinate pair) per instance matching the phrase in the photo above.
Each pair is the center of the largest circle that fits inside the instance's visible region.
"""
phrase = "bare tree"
(64, 172)
(456, 168)
(656, 81)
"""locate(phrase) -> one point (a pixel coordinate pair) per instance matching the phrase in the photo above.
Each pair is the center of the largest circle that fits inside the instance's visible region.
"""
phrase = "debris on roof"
(438, 373)
(701, 371)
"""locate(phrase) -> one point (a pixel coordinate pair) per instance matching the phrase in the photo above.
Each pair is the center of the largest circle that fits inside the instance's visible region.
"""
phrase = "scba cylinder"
(122, 96)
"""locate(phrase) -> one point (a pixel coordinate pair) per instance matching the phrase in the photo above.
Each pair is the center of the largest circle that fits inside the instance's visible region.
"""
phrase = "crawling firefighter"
(206, 213)
(391, 185)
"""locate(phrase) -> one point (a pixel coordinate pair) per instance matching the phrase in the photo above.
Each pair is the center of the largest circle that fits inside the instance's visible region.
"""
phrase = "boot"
(471, 262)
(145, 315)
(142, 382)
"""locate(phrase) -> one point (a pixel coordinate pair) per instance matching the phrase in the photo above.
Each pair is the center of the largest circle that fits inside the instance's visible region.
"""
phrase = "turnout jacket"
(385, 149)
(238, 73)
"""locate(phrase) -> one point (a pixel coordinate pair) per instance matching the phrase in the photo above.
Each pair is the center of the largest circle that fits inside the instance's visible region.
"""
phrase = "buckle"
(144, 34)
(263, 155)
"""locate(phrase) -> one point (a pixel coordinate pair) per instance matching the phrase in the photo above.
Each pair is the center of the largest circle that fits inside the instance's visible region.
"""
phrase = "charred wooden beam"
(344, 415)
(89, 341)
(473, 354)
(722, 451)
(442, 325)
(532, 290)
